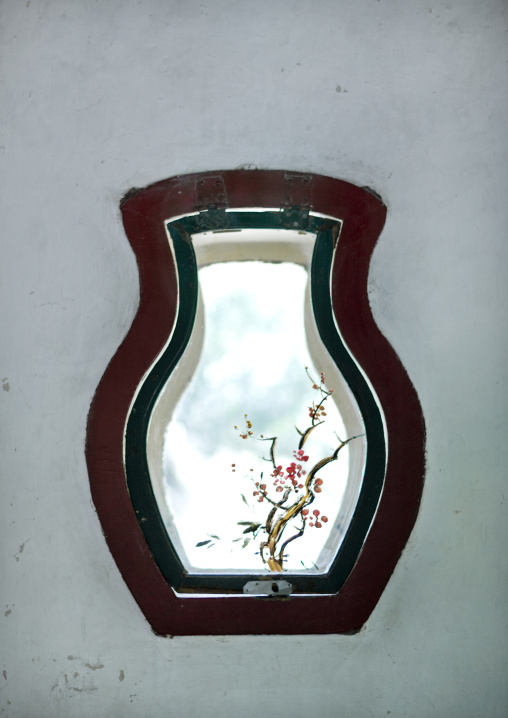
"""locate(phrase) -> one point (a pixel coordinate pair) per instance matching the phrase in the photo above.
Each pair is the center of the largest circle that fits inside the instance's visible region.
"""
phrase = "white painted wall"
(407, 97)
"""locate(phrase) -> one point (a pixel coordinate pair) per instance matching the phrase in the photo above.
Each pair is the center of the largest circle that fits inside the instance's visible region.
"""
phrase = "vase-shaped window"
(260, 431)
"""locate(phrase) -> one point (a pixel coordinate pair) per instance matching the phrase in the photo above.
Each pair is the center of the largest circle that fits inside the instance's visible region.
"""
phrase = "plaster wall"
(408, 98)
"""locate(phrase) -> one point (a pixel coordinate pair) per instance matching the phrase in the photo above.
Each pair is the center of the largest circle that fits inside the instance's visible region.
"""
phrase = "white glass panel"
(253, 362)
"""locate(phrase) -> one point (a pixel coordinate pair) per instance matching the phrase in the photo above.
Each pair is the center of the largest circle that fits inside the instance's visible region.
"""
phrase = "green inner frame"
(136, 462)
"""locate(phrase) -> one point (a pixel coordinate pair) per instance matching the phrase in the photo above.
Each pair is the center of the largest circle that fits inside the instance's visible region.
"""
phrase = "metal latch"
(268, 588)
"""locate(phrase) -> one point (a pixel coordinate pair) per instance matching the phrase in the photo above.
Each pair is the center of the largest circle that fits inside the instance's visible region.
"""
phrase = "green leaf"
(252, 528)
(244, 500)
(203, 543)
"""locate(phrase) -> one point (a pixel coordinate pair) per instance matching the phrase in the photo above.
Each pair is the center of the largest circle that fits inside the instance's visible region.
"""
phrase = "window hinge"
(211, 193)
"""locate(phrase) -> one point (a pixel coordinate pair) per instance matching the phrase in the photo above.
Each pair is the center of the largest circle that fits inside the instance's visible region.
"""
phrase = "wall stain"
(5, 384)
(75, 683)
(121, 676)
(21, 549)
(94, 668)
(4, 673)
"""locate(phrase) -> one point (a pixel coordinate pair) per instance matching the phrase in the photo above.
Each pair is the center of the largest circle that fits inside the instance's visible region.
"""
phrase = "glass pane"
(253, 363)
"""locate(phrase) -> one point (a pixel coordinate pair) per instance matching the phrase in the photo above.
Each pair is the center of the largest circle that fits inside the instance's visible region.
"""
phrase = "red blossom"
(287, 479)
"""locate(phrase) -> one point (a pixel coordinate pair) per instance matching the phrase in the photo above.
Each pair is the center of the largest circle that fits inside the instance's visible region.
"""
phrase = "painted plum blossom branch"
(298, 488)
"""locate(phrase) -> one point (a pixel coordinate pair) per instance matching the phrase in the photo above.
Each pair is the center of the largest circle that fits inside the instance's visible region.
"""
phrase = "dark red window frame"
(363, 215)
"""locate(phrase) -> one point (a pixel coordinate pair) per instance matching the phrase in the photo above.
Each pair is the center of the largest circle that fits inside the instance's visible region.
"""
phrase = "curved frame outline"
(362, 215)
